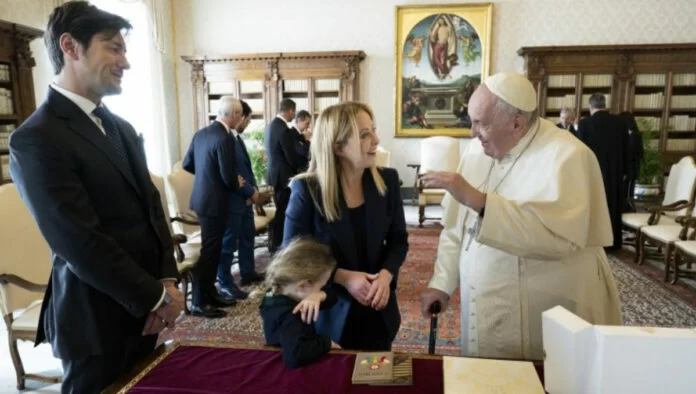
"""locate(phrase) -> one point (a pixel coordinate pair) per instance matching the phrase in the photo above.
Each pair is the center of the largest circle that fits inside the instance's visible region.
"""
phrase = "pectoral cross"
(471, 233)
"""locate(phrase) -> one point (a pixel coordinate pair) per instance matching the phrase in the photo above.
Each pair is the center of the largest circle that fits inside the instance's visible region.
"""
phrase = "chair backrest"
(23, 251)
(180, 183)
(158, 181)
(439, 154)
(680, 184)
(383, 157)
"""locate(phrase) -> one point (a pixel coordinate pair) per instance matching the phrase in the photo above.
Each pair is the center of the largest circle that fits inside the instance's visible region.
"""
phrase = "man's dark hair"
(597, 101)
(302, 115)
(82, 21)
(286, 105)
(246, 109)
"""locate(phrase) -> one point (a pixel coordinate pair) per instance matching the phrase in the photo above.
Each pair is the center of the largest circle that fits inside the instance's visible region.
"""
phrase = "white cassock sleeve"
(446, 274)
(561, 218)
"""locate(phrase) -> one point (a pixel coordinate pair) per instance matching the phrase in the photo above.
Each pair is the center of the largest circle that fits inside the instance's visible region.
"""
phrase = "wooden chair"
(677, 201)
(665, 236)
(180, 186)
(437, 154)
(25, 267)
(186, 252)
(383, 157)
(685, 253)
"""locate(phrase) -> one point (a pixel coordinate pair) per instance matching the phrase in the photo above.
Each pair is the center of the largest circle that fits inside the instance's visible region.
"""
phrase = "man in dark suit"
(607, 136)
(240, 231)
(303, 134)
(83, 174)
(210, 158)
(284, 162)
(567, 120)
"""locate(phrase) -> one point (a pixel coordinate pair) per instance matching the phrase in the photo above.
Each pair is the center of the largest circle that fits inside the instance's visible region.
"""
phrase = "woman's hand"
(357, 283)
(378, 296)
(309, 307)
(334, 345)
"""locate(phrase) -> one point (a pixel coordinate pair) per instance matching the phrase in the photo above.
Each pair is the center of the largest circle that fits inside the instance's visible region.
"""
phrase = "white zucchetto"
(515, 89)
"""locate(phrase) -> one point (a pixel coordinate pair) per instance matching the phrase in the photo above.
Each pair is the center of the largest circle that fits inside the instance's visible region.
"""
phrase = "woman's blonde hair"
(302, 259)
(332, 130)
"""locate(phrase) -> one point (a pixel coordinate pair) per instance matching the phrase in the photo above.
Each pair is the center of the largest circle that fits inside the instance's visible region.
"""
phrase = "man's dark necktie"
(112, 133)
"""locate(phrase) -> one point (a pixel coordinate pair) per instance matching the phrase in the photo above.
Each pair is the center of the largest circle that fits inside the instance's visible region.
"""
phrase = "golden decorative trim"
(252, 57)
(148, 368)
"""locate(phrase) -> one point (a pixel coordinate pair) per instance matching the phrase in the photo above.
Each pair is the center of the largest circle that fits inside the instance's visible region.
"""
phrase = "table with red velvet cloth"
(204, 368)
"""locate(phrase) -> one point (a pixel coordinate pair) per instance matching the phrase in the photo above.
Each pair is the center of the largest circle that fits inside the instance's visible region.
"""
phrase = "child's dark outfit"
(300, 343)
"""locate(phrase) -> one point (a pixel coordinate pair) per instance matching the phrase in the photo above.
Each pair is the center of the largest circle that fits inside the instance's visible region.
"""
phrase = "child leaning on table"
(294, 295)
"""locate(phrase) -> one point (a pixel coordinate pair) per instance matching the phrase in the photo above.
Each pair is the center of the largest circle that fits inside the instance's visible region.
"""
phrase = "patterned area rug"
(646, 301)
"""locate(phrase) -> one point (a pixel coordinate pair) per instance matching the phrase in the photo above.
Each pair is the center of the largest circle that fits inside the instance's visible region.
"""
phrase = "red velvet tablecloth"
(205, 369)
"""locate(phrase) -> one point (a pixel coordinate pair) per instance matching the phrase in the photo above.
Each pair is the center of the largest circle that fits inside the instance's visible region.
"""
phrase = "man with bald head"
(525, 223)
(211, 158)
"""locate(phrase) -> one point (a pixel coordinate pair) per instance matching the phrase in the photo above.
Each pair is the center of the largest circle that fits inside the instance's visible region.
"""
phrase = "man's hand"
(458, 187)
(170, 312)
(429, 296)
(241, 181)
(153, 325)
(378, 296)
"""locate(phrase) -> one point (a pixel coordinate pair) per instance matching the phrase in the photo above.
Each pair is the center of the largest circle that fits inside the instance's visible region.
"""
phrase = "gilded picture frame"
(442, 54)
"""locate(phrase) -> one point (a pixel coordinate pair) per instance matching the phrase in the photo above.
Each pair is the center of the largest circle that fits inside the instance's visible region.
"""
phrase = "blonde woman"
(348, 203)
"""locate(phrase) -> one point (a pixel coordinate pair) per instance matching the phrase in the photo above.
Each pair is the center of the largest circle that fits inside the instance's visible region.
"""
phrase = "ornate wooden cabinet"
(16, 84)
(314, 80)
(654, 81)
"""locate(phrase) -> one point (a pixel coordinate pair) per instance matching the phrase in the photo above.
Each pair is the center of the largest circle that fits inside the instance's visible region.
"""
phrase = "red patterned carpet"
(646, 301)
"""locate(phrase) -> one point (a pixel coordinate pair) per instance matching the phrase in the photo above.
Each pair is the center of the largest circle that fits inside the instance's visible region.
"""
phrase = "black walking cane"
(435, 309)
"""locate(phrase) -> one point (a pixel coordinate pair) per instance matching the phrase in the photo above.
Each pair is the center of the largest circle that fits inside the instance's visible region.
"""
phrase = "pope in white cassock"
(525, 222)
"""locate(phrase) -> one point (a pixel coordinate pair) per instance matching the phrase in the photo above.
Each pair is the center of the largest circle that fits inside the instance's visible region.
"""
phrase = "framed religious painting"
(442, 55)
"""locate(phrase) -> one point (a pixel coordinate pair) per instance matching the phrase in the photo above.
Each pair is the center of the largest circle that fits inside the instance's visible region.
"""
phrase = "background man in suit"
(284, 162)
(83, 174)
(240, 232)
(607, 136)
(210, 158)
(304, 136)
(567, 120)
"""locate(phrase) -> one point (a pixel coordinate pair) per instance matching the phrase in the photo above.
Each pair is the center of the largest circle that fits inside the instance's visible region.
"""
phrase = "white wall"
(219, 27)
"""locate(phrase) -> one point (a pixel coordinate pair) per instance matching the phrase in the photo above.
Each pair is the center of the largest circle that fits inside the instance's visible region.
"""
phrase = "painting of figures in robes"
(442, 55)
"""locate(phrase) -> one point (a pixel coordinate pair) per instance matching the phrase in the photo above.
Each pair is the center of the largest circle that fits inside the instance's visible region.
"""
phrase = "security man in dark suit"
(240, 230)
(607, 136)
(284, 162)
(567, 116)
(82, 172)
(211, 158)
(303, 134)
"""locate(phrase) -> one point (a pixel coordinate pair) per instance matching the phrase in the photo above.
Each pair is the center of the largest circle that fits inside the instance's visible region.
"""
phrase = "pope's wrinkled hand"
(457, 186)
(429, 296)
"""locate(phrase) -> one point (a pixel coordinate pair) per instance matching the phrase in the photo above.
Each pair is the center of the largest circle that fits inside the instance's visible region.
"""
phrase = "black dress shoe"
(221, 301)
(207, 311)
(246, 281)
(234, 293)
